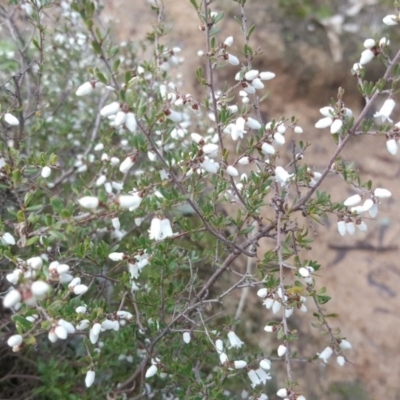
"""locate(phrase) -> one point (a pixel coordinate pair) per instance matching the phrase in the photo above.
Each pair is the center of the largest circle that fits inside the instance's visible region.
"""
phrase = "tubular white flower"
(155, 229)
(10, 119)
(234, 340)
(166, 229)
(250, 75)
(98, 147)
(120, 118)
(384, 42)
(369, 43)
(362, 226)
(266, 76)
(130, 122)
(219, 345)
(257, 84)
(223, 358)
(276, 307)
(52, 336)
(269, 328)
(254, 378)
(282, 392)
(350, 227)
(61, 332)
(324, 122)
(336, 126)
(373, 211)
(15, 340)
(279, 139)
(392, 146)
(85, 89)
(281, 350)
(264, 377)
(89, 379)
(84, 324)
(40, 288)
(232, 171)
(391, 20)
(94, 333)
(240, 364)
(80, 289)
(12, 298)
(127, 164)
(67, 325)
(46, 172)
(151, 371)
(382, 193)
(131, 202)
(352, 200)
(89, 202)
(326, 353)
(386, 110)
(253, 123)
(268, 303)
(298, 130)
(341, 225)
(265, 364)
(186, 337)
(210, 149)
(74, 282)
(110, 109)
(327, 111)
(304, 272)
(116, 256)
(244, 161)
(35, 262)
(262, 293)
(340, 360)
(210, 166)
(366, 56)
(228, 41)
(368, 204)
(266, 148)
(233, 60)
(81, 310)
(8, 239)
(345, 345)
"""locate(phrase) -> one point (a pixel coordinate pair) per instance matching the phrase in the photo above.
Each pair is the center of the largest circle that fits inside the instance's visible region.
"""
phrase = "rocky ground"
(312, 58)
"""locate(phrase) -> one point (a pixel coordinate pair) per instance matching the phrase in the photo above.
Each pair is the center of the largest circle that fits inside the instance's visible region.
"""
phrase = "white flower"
(282, 392)
(232, 171)
(352, 200)
(40, 288)
(61, 332)
(233, 60)
(89, 379)
(268, 303)
(253, 123)
(264, 377)
(81, 310)
(362, 226)
(298, 130)
(250, 75)
(94, 333)
(281, 175)
(391, 20)
(67, 325)
(116, 256)
(366, 56)
(127, 164)
(373, 211)
(326, 353)
(369, 43)
(345, 345)
(8, 239)
(265, 364)
(10, 119)
(52, 336)
(12, 298)
(131, 202)
(279, 139)
(46, 171)
(254, 378)
(80, 289)
(240, 364)
(234, 340)
(266, 148)
(120, 118)
(110, 109)
(276, 307)
(210, 149)
(392, 146)
(262, 292)
(327, 111)
(85, 88)
(89, 202)
(304, 272)
(219, 345)
(382, 193)
(386, 110)
(340, 360)
(98, 147)
(341, 225)
(281, 350)
(210, 165)
(269, 328)
(228, 41)
(152, 370)
(350, 227)
(384, 42)
(244, 161)
(74, 282)
(130, 122)
(257, 84)
(266, 76)
(186, 337)
(15, 340)
(223, 358)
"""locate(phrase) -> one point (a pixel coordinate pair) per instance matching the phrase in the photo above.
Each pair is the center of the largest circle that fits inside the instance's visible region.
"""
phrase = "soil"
(362, 271)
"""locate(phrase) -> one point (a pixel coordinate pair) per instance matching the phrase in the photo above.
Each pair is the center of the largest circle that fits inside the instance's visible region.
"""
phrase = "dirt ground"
(362, 271)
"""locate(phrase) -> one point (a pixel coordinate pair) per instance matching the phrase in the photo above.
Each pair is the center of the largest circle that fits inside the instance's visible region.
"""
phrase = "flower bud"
(89, 379)
(15, 340)
(281, 350)
(89, 202)
(10, 119)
